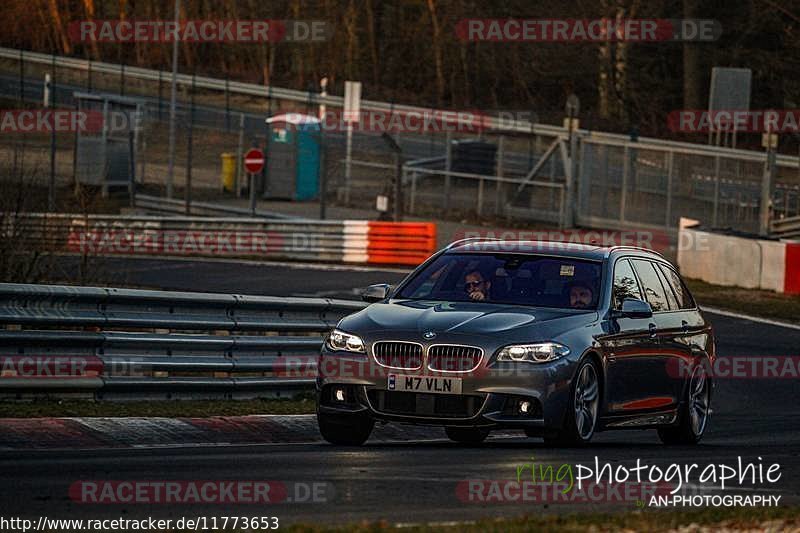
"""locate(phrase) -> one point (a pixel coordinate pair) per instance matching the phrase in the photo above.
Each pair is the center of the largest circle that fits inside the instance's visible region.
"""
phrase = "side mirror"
(635, 308)
(376, 293)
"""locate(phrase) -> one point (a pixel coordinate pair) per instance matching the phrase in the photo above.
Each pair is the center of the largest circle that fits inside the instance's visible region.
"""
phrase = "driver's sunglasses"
(471, 284)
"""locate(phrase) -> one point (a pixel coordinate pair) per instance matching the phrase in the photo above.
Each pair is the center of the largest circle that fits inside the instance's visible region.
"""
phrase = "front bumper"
(489, 395)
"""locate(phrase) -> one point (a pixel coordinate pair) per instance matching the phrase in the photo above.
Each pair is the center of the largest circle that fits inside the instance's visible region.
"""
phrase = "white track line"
(722, 312)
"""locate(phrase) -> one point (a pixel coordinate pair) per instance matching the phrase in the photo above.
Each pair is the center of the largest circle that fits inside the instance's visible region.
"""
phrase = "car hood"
(460, 317)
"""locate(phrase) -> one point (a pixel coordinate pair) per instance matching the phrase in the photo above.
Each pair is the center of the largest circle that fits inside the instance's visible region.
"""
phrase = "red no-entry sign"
(254, 160)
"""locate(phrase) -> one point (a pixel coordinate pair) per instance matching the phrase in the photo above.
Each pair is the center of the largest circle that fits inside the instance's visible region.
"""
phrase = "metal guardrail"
(158, 204)
(786, 227)
(237, 345)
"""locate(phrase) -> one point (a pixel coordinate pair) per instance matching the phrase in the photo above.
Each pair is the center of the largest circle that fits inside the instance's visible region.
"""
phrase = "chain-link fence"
(483, 173)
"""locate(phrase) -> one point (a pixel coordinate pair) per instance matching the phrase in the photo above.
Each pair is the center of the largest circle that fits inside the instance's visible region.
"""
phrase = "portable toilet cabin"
(293, 157)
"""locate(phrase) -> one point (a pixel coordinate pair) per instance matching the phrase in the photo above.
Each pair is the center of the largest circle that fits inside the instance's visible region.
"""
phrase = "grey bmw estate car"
(559, 340)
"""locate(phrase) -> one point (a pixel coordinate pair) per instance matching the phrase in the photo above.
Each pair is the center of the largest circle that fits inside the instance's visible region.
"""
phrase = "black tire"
(694, 413)
(468, 435)
(345, 430)
(583, 409)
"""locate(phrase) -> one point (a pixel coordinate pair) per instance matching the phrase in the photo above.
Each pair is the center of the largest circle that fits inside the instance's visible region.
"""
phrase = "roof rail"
(637, 248)
(470, 239)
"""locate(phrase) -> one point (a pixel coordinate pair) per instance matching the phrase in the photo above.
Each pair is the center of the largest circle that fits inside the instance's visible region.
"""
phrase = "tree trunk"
(437, 52)
(693, 86)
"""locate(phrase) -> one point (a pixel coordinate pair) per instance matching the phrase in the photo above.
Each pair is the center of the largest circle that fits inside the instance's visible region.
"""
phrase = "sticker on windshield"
(567, 270)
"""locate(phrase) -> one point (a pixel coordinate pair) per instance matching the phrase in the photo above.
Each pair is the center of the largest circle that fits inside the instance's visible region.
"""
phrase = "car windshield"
(532, 280)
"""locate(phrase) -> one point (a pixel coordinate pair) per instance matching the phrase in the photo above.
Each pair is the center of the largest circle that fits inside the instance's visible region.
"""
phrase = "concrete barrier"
(732, 260)
(342, 241)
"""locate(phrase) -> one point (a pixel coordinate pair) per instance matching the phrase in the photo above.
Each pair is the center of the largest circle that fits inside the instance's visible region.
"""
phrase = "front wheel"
(693, 415)
(467, 435)
(345, 430)
(584, 406)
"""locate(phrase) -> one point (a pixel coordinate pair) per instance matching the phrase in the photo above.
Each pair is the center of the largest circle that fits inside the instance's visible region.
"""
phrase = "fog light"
(339, 395)
(524, 407)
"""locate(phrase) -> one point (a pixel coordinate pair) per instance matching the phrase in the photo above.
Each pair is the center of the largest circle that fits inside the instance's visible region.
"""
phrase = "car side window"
(653, 290)
(685, 300)
(625, 284)
(668, 292)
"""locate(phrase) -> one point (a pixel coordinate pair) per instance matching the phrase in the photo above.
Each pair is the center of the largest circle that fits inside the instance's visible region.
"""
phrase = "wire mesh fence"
(480, 173)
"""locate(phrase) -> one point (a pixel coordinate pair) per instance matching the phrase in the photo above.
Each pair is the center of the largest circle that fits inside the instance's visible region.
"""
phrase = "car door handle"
(685, 326)
(653, 330)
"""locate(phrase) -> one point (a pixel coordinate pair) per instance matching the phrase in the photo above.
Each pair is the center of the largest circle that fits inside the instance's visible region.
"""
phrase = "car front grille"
(403, 355)
(426, 405)
(454, 358)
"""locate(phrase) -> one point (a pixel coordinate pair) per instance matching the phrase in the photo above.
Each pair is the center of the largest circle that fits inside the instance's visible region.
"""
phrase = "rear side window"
(653, 289)
(625, 284)
(685, 300)
(671, 300)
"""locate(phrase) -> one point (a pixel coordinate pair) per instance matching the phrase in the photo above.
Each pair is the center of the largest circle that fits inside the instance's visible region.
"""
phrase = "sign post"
(254, 164)
(352, 112)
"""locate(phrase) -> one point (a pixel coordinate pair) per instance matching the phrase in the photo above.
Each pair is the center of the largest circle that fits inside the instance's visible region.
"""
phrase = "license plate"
(440, 385)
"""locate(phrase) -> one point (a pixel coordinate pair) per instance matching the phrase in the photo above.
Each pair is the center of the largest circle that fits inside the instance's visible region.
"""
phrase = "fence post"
(227, 104)
(132, 169)
(770, 170)
(448, 163)
(413, 198)
(571, 197)
(348, 165)
(21, 76)
(190, 142)
(670, 167)
(480, 196)
(51, 189)
(584, 181)
(500, 173)
(716, 192)
(238, 179)
(626, 168)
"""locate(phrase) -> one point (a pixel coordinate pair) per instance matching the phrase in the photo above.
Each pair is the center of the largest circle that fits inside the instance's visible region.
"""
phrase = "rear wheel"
(694, 414)
(584, 406)
(467, 435)
(345, 430)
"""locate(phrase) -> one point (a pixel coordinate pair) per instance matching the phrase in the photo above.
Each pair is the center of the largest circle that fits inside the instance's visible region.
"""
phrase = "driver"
(581, 295)
(477, 286)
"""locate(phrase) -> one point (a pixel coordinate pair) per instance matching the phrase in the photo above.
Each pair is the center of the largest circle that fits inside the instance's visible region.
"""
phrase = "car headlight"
(340, 341)
(533, 353)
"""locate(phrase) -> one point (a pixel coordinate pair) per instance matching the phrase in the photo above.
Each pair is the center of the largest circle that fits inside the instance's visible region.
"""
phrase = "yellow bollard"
(228, 171)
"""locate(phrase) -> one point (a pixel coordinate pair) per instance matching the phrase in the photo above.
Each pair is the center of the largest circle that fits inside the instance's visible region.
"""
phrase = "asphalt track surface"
(415, 481)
